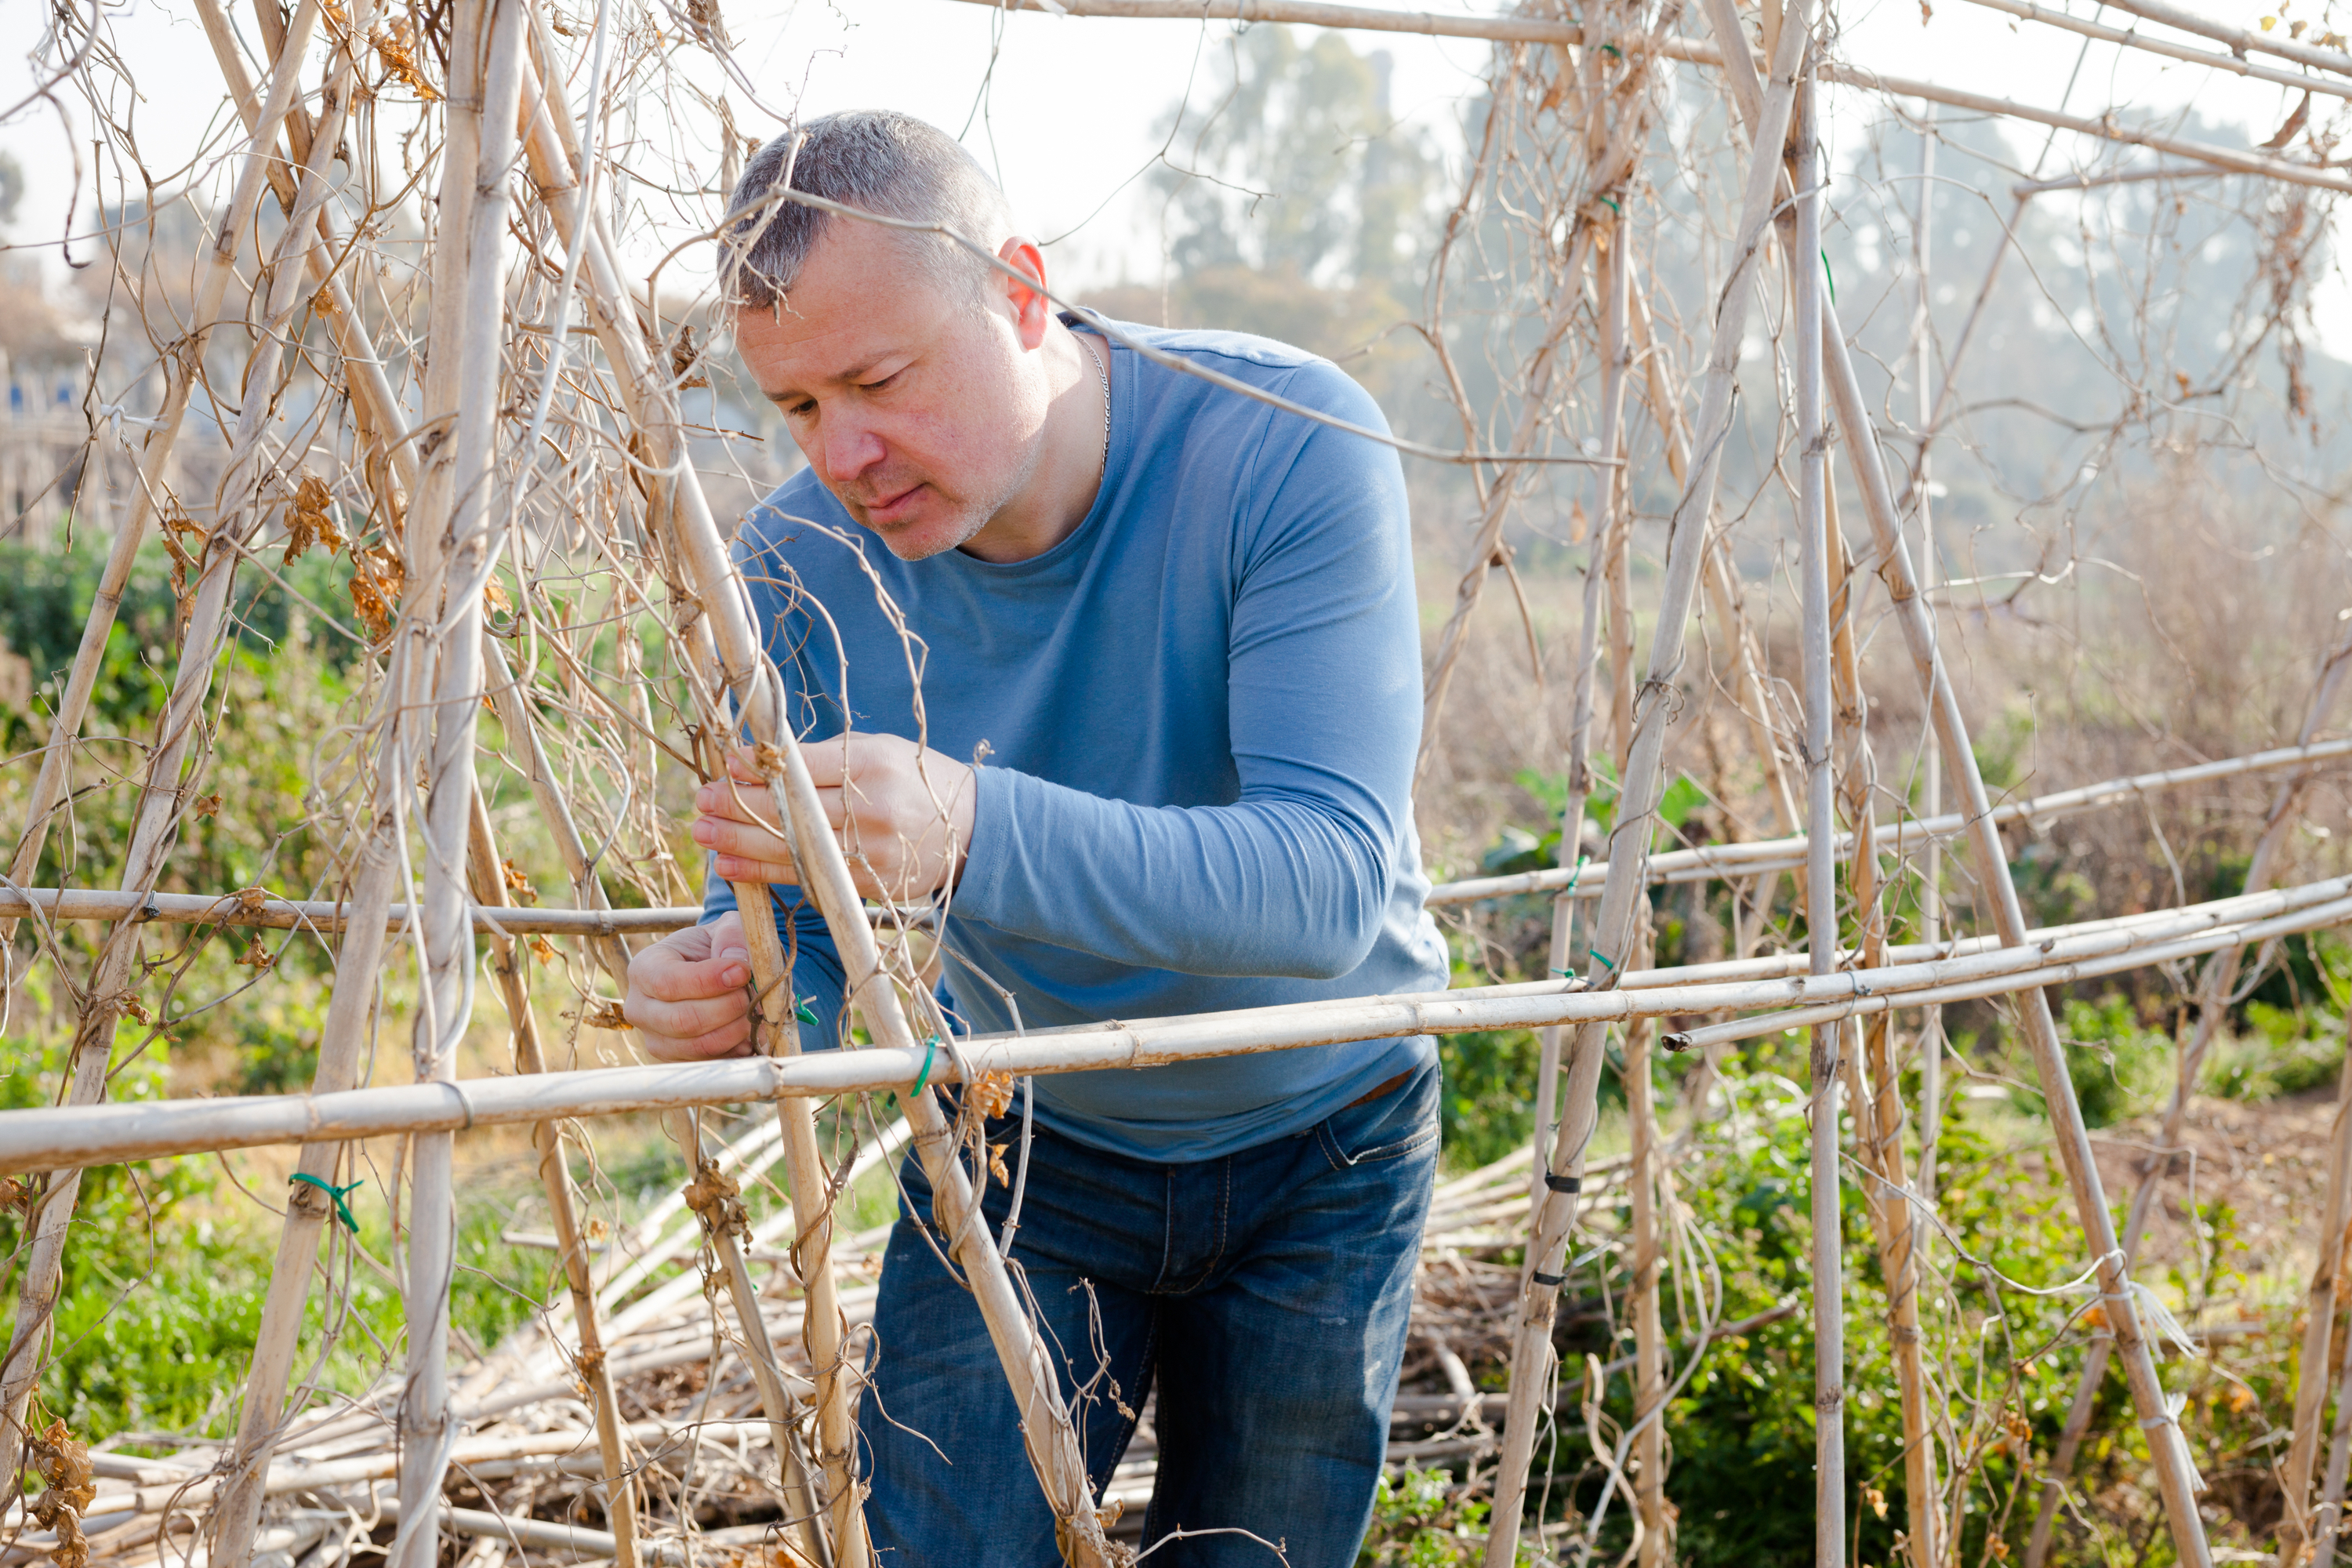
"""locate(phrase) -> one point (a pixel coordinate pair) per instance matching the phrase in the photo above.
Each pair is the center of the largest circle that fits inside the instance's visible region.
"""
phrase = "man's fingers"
(732, 1041)
(675, 978)
(692, 1019)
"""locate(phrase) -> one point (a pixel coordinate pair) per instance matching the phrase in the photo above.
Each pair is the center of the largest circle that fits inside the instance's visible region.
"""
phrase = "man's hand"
(689, 993)
(902, 811)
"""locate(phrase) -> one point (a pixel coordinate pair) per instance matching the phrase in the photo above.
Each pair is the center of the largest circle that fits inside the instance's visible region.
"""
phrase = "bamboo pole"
(1532, 1361)
(2168, 1449)
(106, 1134)
(562, 1200)
(255, 908)
(555, 162)
(163, 793)
(683, 524)
(824, 1332)
(1877, 1081)
(1931, 571)
(1616, 281)
(451, 551)
(713, 1199)
(1820, 872)
(2215, 987)
(1649, 1258)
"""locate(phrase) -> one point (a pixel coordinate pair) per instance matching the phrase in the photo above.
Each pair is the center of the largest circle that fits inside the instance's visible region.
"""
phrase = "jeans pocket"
(1399, 1123)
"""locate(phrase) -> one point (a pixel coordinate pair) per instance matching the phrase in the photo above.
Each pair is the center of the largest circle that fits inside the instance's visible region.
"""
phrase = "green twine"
(1830, 276)
(930, 1049)
(1613, 49)
(342, 1209)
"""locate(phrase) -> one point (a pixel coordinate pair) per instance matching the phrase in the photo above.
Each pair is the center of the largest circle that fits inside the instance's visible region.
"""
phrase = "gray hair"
(876, 160)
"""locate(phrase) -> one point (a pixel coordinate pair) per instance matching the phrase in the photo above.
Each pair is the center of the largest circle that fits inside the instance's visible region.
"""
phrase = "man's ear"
(1031, 311)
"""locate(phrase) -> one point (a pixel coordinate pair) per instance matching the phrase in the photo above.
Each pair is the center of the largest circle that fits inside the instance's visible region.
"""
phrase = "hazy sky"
(1064, 109)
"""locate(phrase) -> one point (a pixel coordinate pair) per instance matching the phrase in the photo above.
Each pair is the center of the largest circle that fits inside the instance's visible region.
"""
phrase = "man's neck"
(1071, 464)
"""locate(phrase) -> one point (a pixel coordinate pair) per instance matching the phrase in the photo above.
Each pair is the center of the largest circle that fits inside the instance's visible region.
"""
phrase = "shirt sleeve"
(1293, 877)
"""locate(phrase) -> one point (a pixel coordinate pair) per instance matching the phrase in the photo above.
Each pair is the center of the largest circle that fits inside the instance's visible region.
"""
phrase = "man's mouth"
(882, 509)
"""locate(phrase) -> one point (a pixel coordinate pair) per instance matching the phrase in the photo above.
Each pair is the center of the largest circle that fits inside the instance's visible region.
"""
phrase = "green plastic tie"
(806, 1014)
(930, 1049)
(1601, 958)
(342, 1209)
(1829, 275)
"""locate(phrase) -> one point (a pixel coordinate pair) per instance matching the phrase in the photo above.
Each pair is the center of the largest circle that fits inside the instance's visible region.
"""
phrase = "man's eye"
(800, 410)
(885, 381)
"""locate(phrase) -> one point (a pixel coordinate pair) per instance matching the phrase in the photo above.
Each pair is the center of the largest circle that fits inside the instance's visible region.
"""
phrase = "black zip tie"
(1553, 1282)
(1563, 1183)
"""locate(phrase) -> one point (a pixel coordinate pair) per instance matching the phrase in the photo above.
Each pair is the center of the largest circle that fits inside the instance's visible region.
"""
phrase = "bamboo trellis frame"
(448, 499)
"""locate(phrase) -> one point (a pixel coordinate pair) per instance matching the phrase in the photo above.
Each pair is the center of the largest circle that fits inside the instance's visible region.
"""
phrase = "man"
(1121, 668)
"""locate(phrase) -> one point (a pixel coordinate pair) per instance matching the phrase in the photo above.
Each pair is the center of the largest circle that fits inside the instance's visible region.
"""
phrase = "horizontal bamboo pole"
(2132, 954)
(1516, 29)
(1761, 855)
(255, 907)
(103, 1134)
(252, 907)
(2232, 65)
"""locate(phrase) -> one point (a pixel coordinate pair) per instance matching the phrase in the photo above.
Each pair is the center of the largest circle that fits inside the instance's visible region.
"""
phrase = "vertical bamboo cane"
(1931, 760)
(1532, 1361)
(684, 526)
(489, 880)
(1616, 278)
(1649, 1258)
(824, 1328)
(1820, 860)
(1722, 584)
(450, 552)
(1878, 1102)
(555, 160)
(2168, 1447)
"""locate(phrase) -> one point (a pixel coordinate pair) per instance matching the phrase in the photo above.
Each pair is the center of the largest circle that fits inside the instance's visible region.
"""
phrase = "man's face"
(918, 408)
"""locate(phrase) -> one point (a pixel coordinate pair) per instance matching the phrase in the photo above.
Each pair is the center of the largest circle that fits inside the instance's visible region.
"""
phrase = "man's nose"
(851, 447)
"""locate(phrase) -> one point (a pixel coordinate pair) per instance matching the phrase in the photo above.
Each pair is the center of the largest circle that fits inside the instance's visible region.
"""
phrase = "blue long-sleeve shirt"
(1199, 714)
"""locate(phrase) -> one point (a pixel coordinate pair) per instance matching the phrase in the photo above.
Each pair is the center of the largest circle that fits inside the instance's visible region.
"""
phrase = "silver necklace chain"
(1103, 376)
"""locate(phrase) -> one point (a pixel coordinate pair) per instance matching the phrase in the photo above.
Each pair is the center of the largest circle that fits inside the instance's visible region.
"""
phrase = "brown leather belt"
(1378, 1091)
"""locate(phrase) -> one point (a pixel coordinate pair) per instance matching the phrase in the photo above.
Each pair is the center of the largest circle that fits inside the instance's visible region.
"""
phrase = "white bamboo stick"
(105, 1134)
(2168, 1448)
(1821, 871)
(1616, 276)
(562, 1204)
(1641, 787)
(449, 546)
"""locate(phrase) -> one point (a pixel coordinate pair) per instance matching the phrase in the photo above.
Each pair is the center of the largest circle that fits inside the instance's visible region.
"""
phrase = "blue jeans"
(1265, 1294)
